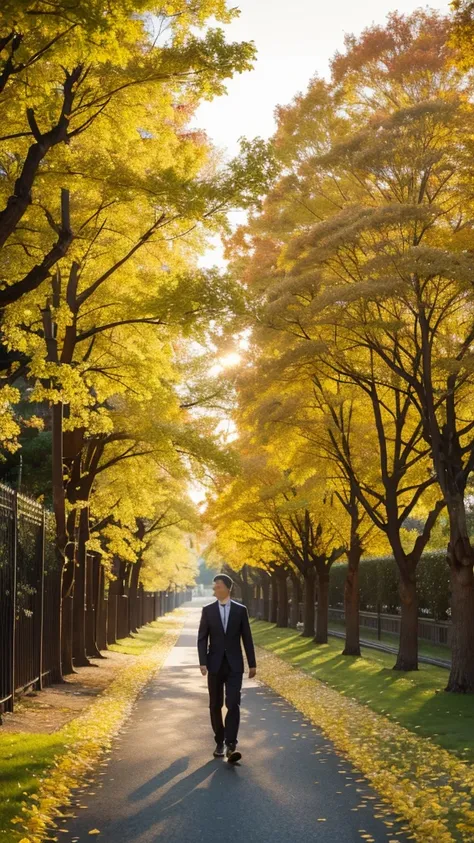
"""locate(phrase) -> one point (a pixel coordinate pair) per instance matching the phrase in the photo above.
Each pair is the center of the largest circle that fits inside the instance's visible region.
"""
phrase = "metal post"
(13, 599)
(41, 585)
(379, 608)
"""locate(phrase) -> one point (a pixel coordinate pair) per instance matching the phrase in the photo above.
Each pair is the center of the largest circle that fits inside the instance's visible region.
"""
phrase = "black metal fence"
(7, 594)
(30, 601)
(429, 630)
(27, 592)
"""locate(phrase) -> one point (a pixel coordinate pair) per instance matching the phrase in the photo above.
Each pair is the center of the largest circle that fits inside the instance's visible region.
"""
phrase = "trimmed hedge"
(378, 579)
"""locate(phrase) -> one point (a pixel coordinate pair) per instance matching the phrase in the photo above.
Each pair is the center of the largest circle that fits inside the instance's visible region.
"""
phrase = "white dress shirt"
(224, 609)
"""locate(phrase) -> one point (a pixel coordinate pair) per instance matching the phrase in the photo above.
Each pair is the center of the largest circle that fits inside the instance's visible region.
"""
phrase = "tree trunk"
(133, 596)
(112, 614)
(461, 558)
(66, 635)
(274, 599)
(92, 606)
(64, 649)
(246, 588)
(67, 590)
(123, 628)
(295, 600)
(266, 597)
(141, 607)
(351, 602)
(101, 611)
(56, 607)
(115, 591)
(256, 601)
(322, 615)
(79, 602)
(282, 608)
(309, 592)
(407, 658)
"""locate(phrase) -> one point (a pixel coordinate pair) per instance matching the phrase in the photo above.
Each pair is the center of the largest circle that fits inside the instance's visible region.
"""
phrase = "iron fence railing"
(30, 601)
(429, 630)
(7, 594)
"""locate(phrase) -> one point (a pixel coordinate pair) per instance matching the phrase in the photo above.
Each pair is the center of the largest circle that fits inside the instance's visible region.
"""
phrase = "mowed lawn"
(25, 757)
(138, 642)
(416, 700)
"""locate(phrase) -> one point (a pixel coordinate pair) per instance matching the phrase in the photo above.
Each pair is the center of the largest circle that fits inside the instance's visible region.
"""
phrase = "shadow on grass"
(138, 642)
(416, 700)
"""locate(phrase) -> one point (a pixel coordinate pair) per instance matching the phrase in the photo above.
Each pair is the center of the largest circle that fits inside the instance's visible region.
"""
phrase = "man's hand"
(252, 672)
(203, 669)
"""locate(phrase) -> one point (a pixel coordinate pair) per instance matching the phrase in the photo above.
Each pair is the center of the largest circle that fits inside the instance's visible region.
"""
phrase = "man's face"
(220, 590)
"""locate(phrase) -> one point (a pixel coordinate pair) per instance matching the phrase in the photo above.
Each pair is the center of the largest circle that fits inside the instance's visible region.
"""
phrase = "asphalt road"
(161, 782)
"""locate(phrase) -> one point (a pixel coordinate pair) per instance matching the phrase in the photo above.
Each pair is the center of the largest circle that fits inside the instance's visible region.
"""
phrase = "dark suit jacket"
(220, 642)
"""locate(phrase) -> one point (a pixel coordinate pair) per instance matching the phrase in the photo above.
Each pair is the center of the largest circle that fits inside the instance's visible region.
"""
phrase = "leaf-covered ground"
(23, 759)
(431, 788)
(37, 771)
(416, 700)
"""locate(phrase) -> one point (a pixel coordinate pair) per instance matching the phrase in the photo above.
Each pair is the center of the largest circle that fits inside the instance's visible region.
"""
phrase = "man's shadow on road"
(162, 778)
(155, 813)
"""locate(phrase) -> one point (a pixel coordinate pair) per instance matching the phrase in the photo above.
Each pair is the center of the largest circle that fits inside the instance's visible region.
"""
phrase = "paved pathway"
(161, 782)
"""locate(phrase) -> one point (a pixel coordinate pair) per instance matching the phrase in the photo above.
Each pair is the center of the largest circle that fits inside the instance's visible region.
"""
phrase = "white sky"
(295, 39)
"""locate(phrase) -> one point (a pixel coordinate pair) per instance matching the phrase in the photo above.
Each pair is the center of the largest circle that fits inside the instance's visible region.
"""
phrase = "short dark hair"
(225, 579)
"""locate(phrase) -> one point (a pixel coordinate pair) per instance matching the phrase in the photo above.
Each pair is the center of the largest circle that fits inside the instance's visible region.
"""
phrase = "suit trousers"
(225, 732)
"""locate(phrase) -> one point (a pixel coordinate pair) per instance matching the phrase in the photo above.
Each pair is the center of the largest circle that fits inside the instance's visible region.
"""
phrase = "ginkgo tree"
(299, 424)
(170, 562)
(106, 79)
(137, 508)
(238, 549)
(287, 515)
(106, 152)
(361, 259)
(145, 424)
(407, 296)
(108, 197)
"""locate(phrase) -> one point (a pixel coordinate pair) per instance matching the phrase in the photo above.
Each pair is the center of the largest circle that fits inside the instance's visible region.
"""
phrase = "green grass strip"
(23, 760)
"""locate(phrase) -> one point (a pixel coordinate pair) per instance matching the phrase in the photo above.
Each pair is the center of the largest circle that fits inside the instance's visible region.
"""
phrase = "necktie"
(225, 622)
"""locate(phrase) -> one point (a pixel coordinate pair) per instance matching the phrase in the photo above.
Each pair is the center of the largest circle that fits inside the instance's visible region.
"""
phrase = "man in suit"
(223, 623)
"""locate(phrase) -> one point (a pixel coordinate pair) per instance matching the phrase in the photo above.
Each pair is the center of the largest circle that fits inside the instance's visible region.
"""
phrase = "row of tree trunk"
(280, 593)
(278, 599)
(273, 602)
(95, 614)
(277, 595)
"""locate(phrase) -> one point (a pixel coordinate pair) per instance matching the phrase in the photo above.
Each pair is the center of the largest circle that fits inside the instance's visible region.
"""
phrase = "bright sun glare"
(232, 359)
